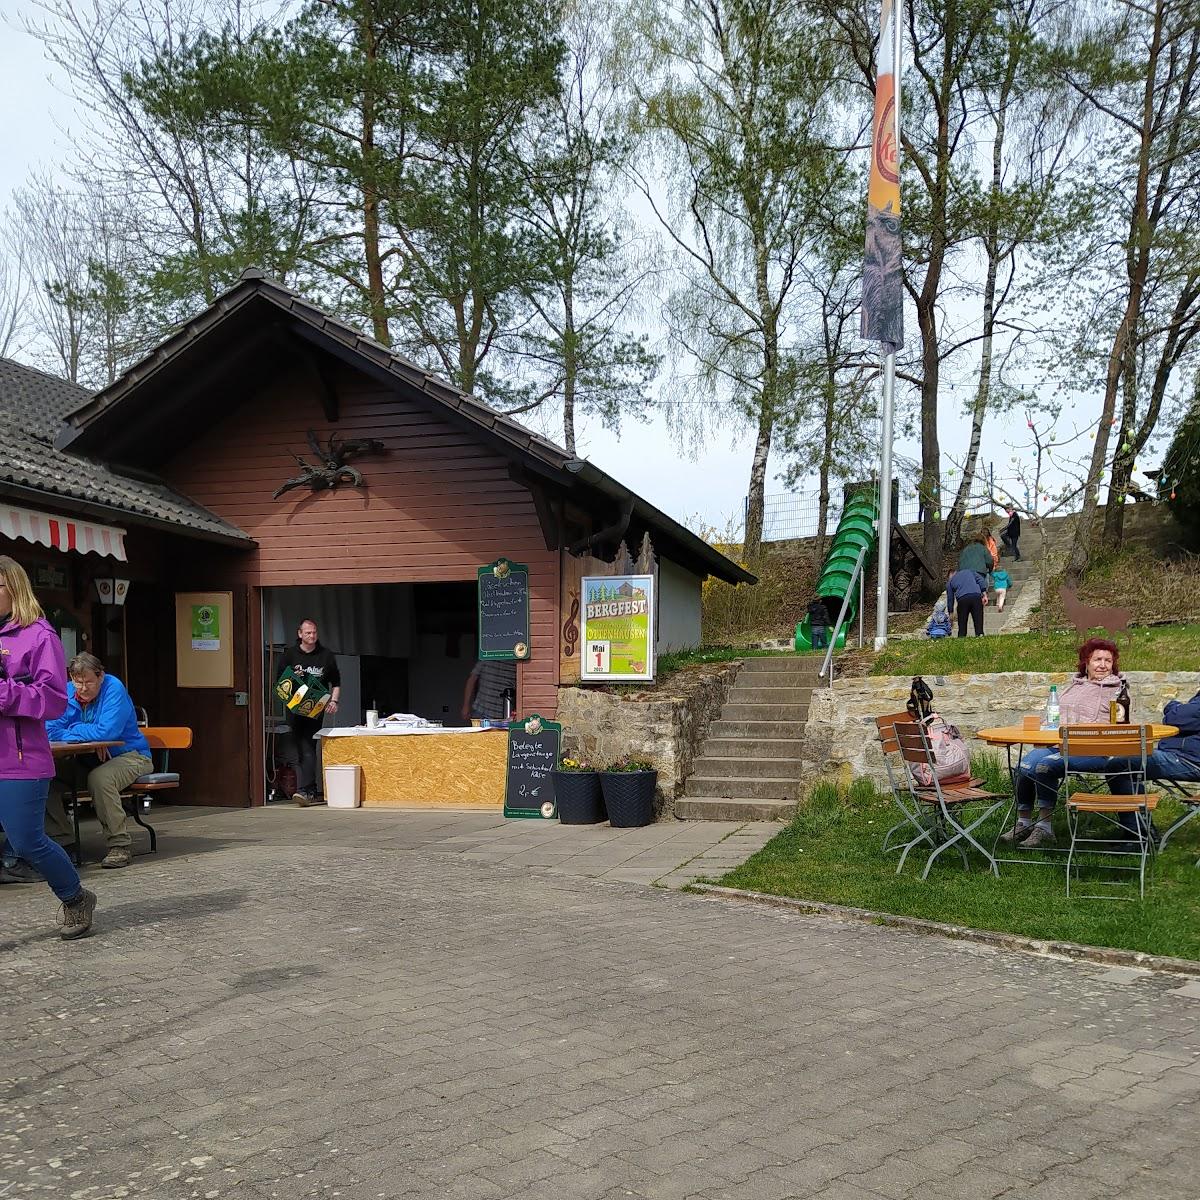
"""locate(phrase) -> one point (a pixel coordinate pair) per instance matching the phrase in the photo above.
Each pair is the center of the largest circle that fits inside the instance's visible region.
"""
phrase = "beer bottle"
(1123, 704)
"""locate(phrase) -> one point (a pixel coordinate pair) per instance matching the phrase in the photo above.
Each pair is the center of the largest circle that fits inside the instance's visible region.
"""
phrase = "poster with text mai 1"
(617, 628)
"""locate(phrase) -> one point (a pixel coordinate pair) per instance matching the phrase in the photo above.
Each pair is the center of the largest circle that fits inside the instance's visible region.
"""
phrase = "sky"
(701, 488)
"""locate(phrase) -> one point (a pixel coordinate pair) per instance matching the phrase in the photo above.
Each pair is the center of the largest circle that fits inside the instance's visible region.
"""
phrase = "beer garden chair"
(958, 809)
(1094, 817)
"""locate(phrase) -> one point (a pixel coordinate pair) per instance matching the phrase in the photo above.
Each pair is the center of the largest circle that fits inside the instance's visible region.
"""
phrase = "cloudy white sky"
(707, 485)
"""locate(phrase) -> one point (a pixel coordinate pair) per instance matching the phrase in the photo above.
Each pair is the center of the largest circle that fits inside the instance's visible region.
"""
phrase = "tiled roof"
(32, 408)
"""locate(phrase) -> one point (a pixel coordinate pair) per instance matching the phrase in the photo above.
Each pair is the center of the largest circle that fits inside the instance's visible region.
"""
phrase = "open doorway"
(400, 647)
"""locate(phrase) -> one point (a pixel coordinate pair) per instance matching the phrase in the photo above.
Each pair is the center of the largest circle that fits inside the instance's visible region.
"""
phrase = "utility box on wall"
(204, 639)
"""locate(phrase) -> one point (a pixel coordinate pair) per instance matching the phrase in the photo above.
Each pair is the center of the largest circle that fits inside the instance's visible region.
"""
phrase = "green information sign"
(206, 627)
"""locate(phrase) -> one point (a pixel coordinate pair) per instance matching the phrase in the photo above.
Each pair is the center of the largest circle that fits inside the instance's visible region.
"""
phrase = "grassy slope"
(1163, 648)
(831, 852)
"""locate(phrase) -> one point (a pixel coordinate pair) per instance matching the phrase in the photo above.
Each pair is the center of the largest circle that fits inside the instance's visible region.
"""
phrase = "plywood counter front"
(425, 770)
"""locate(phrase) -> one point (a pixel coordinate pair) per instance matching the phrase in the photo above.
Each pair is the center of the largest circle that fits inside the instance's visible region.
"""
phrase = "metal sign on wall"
(616, 628)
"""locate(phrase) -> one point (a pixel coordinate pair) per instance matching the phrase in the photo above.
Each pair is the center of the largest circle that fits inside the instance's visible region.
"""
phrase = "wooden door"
(217, 769)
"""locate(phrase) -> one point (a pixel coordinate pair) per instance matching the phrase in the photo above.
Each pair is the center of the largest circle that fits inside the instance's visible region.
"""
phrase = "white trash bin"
(342, 784)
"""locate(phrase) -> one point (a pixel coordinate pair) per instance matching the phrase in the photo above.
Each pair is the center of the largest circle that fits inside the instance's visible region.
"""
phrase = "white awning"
(62, 533)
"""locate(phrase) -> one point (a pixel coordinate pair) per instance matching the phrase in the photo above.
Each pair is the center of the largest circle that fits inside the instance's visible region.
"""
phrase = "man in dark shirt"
(1178, 757)
(483, 697)
(309, 657)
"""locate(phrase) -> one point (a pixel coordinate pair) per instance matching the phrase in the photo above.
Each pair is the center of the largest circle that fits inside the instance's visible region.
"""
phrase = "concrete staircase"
(749, 767)
(1024, 594)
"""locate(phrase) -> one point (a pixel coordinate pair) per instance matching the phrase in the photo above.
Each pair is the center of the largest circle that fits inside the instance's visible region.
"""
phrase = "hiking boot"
(1038, 838)
(117, 857)
(1018, 833)
(301, 799)
(76, 917)
(19, 871)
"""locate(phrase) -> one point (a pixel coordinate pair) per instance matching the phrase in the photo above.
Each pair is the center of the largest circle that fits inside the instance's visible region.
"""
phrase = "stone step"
(724, 808)
(764, 712)
(799, 664)
(752, 789)
(752, 694)
(752, 747)
(723, 728)
(711, 767)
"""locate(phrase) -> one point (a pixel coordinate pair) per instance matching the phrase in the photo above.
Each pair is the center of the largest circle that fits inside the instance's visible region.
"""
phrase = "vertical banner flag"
(883, 289)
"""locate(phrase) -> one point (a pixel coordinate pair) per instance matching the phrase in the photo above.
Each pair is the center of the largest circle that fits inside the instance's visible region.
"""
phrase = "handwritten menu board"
(504, 610)
(533, 751)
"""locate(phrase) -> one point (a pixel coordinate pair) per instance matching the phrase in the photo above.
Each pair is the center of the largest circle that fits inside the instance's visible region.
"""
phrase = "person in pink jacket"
(1084, 701)
(33, 690)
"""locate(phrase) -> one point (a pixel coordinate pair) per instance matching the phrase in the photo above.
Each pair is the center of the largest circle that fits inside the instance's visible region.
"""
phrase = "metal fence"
(790, 515)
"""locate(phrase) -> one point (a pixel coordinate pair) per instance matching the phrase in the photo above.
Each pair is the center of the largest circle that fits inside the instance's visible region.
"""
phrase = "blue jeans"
(819, 641)
(1041, 772)
(23, 815)
(1170, 764)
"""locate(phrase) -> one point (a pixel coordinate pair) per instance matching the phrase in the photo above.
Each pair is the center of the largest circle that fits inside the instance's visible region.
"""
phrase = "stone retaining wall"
(666, 727)
(840, 735)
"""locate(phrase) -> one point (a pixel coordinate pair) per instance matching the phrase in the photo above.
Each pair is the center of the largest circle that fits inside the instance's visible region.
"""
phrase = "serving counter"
(422, 768)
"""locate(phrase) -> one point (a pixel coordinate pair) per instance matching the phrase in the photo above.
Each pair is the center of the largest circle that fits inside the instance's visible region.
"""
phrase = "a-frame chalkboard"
(504, 610)
(534, 745)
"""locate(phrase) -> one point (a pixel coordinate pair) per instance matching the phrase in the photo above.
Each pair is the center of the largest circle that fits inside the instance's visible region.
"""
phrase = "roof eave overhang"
(106, 512)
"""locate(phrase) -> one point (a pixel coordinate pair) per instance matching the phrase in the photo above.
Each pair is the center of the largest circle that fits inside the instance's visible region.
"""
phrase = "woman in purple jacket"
(33, 690)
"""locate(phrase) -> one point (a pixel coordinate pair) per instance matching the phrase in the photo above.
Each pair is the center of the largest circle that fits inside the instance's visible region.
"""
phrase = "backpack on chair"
(920, 700)
(948, 748)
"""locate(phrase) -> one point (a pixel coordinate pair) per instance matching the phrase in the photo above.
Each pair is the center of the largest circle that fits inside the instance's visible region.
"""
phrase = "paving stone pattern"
(279, 1007)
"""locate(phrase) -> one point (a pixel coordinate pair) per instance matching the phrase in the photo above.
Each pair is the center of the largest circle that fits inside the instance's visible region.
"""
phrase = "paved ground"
(290, 1004)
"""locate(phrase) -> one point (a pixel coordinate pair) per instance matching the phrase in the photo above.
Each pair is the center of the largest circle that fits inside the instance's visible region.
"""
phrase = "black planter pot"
(629, 797)
(578, 797)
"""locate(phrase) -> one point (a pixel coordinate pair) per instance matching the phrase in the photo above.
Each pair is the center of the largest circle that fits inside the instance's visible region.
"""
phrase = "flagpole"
(884, 556)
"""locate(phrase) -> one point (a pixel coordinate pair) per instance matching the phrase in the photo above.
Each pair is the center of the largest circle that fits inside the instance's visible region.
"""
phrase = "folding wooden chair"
(1189, 798)
(914, 820)
(1125, 746)
(950, 804)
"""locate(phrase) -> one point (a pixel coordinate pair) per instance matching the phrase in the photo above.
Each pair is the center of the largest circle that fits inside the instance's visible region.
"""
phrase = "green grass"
(831, 852)
(1161, 648)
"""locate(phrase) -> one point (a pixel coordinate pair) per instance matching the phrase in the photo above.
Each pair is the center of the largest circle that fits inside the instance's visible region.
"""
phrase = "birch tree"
(735, 99)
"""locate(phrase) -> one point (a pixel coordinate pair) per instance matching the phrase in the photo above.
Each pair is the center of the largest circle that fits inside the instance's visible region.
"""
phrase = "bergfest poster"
(617, 628)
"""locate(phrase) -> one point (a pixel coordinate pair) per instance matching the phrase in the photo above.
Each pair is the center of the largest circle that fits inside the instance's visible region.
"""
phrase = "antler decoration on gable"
(334, 465)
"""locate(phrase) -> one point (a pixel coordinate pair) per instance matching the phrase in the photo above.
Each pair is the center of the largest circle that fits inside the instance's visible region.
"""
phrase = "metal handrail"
(855, 576)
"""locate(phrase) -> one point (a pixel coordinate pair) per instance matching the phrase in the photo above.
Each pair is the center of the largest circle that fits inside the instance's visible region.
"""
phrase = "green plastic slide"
(855, 530)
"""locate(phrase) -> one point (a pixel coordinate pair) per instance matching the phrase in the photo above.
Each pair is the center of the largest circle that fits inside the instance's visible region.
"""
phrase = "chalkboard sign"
(533, 750)
(504, 610)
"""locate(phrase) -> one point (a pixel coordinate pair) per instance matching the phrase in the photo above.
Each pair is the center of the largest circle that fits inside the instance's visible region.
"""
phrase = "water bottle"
(1051, 721)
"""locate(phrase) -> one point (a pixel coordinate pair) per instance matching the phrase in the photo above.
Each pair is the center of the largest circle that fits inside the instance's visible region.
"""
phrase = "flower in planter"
(575, 765)
(627, 763)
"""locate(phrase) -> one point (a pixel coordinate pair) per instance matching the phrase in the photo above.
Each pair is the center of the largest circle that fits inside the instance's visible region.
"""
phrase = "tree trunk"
(1124, 347)
(954, 520)
(376, 293)
(756, 498)
(570, 368)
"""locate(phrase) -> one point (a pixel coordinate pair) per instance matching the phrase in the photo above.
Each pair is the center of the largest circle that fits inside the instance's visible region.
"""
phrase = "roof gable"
(258, 318)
